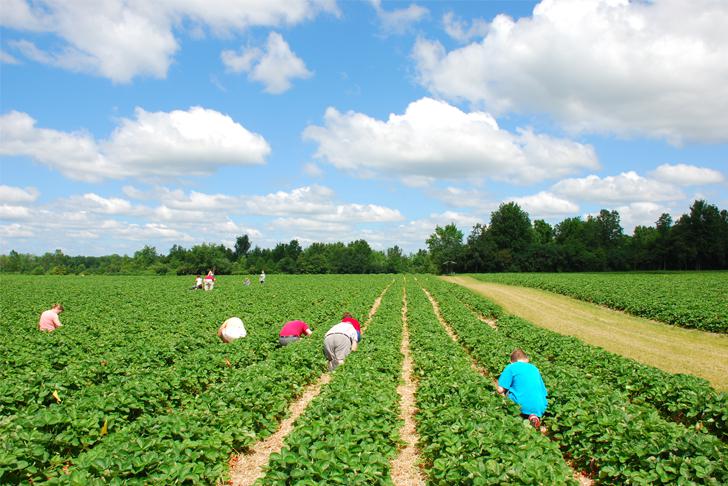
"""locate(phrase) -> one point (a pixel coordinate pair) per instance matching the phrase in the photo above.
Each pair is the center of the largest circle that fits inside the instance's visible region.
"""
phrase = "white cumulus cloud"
(14, 194)
(275, 66)
(459, 29)
(398, 21)
(654, 69)
(624, 188)
(121, 40)
(641, 214)
(8, 211)
(154, 144)
(545, 204)
(687, 175)
(15, 230)
(433, 139)
(105, 205)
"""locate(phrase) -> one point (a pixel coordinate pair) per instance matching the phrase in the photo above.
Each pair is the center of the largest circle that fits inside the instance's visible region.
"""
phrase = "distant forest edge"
(698, 240)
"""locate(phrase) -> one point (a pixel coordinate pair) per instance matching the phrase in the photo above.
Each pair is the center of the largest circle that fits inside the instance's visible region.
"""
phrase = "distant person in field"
(246, 282)
(292, 332)
(49, 320)
(347, 318)
(231, 330)
(339, 342)
(198, 283)
(521, 382)
(261, 279)
(209, 280)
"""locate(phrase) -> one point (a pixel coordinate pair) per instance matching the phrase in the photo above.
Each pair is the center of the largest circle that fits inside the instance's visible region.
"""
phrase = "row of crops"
(615, 425)
(146, 392)
(688, 299)
(143, 406)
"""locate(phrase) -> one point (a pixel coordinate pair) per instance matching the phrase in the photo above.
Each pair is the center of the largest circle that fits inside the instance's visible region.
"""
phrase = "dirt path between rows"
(248, 467)
(669, 348)
(582, 478)
(405, 467)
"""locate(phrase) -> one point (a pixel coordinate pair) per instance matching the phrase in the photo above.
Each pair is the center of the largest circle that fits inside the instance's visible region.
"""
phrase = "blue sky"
(125, 123)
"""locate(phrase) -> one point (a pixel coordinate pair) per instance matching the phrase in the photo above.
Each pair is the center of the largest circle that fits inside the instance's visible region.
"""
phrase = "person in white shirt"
(339, 342)
(261, 279)
(231, 330)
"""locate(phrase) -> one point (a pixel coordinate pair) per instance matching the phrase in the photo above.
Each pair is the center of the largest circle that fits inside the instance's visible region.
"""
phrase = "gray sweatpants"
(336, 348)
(285, 340)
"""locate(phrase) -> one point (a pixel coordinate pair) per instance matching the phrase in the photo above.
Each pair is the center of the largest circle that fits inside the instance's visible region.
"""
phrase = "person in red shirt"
(209, 280)
(347, 318)
(292, 332)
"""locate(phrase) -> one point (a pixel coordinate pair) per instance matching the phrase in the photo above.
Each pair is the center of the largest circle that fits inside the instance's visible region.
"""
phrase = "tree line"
(354, 257)
(698, 240)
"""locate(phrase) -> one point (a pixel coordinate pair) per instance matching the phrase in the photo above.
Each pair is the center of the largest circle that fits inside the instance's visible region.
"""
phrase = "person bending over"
(521, 382)
(231, 330)
(339, 342)
(49, 320)
(292, 332)
(347, 318)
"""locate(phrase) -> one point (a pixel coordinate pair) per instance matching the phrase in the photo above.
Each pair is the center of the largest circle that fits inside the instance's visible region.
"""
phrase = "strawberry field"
(137, 389)
(688, 299)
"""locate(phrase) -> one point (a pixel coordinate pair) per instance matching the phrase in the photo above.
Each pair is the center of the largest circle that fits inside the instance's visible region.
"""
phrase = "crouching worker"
(198, 283)
(521, 382)
(231, 330)
(49, 320)
(292, 332)
(348, 318)
(341, 340)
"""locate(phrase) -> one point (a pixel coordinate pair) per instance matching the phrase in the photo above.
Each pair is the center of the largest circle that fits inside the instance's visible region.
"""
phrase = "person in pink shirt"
(49, 320)
(347, 318)
(292, 332)
(209, 280)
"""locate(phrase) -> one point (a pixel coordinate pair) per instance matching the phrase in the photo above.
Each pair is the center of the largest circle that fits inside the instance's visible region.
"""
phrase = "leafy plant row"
(688, 299)
(470, 435)
(682, 398)
(66, 434)
(348, 434)
(594, 423)
(100, 342)
(46, 432)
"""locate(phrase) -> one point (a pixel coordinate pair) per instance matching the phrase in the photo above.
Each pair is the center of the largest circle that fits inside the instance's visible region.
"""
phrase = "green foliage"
(693, 300)
(616, 439)
(470, 435)
(135, 388)
(139, 356)
(446, 248)
(348, 434)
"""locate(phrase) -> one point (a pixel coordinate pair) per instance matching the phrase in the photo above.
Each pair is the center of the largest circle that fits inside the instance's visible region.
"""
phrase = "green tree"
(479, 252)
(543, 233)
(511, 232)
(146, 257)
(706, 233)
(242, 246)
(446, 248)
(359, 257)
(422, 263)
(396, 261)
(663, 242)
(314, 259)
(642, 247)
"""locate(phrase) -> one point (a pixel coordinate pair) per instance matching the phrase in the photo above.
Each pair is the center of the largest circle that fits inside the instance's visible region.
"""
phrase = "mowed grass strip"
(666, 347)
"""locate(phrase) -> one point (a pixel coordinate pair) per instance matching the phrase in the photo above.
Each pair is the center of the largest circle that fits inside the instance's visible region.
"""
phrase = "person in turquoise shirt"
(521, 382)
